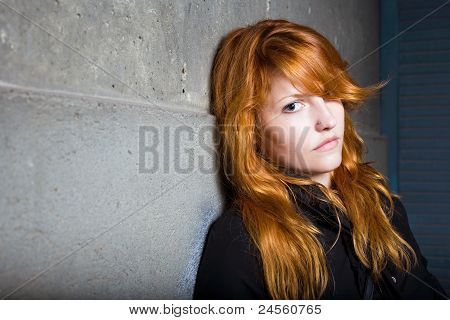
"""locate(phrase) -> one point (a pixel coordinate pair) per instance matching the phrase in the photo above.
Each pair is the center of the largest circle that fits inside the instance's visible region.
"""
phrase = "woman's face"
(295, 124)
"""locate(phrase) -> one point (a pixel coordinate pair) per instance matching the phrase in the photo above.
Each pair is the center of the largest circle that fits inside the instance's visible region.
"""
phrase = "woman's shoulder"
(229, 234)
(399, 215)
(230, 266)
(229, 227)
(401, 223)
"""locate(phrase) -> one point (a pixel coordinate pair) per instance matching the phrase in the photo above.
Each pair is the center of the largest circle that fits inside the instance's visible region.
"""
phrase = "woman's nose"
(324, 117)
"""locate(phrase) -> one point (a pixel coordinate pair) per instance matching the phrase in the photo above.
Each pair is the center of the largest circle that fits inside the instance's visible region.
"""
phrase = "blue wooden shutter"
(422, 114)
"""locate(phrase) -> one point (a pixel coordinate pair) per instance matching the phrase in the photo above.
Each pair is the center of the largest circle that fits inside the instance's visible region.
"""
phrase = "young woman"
(308, 218)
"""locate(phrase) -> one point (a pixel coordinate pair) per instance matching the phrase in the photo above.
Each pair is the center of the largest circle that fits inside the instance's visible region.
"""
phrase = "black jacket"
(231, 268)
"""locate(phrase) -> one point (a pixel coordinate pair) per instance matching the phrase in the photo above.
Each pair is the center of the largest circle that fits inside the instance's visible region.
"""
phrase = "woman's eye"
(293, 107)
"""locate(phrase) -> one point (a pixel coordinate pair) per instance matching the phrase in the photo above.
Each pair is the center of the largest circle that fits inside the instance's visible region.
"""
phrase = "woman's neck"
(323, 178)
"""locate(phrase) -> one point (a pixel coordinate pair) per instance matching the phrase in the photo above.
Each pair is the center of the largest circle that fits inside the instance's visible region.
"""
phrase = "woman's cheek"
(274, 142)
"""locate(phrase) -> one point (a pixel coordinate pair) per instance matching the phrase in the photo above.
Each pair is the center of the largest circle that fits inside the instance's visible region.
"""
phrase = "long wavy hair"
(294, 260)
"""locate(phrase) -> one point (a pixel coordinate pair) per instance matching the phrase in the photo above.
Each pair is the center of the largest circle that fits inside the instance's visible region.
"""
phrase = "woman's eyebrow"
(296, 95)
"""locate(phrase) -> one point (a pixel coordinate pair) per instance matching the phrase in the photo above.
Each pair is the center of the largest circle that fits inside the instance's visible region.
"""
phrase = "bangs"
(311, 69)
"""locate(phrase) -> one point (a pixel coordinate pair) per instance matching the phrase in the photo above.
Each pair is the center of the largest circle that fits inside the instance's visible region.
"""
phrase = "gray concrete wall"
(85, 85)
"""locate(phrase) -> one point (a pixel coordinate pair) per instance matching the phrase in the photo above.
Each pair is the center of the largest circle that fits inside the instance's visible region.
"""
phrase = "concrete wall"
(85, 85)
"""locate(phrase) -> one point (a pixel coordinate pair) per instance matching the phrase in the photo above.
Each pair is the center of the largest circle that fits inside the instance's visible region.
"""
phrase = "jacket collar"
(320, 211)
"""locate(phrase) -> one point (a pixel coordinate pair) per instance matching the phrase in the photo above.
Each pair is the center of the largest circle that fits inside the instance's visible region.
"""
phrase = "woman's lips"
(328, 146)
